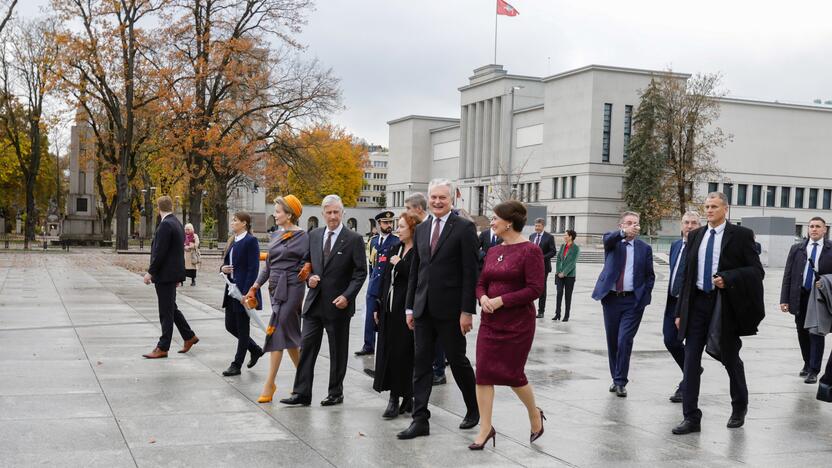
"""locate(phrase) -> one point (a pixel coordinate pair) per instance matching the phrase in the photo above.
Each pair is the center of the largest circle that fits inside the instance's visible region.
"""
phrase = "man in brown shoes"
(166, 271)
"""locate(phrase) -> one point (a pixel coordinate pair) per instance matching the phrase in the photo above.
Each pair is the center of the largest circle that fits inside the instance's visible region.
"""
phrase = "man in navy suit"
(794, 294)
(546, 242)
(678, 249)
(624, 288)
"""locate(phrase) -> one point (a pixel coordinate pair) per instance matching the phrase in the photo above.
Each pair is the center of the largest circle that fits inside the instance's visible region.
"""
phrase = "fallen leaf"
(152, 440)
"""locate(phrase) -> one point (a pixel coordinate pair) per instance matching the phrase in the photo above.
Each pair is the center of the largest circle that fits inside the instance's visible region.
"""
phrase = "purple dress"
(285, 260)
(515, 273)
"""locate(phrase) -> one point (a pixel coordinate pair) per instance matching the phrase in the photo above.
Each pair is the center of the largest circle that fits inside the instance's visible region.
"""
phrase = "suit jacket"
(167, 252)
(444, 283)
(567, 264)
(547, 245)
(484, 244)
(342, 274)
(793, 275)
(740, 268)
(675, 248)
(643, 275)
(379, 255)
(246, 267)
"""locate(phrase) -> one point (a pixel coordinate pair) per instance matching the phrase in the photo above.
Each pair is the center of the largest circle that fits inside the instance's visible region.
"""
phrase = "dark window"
(555, 187)
(827, 199)
(536, 191)
(798, 230)
(605, 149)
(573, 182)
(563, 187)
(628, 127)
(572, 222)
(728, 190)
(771, 195)
(713, 187)
(756, 192)
(798, 197)
(813, 199)
(553, 223)
(81, 205)
(742, 194)
(785, 196)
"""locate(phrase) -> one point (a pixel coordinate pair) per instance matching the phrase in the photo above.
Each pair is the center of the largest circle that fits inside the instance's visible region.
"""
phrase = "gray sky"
(400, 57)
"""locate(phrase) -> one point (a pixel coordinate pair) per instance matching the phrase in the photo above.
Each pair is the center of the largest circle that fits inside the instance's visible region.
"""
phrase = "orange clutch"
(251, 302)
(263, 256)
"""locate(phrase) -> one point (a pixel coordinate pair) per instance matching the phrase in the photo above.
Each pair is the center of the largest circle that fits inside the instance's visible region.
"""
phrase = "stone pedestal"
(81, 224)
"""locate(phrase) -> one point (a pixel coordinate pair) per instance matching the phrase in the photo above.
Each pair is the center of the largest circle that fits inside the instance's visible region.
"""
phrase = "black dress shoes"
(737, 418)
(804, 372)
(556, 317)
(824, 392)
(540, 315)
(565, 319)
(407, 406)
(677, 396)
(232, 370)
(392, 410)
(365, 352)
(332, 400)
(370, 372)
(254, 358)
(469, 421)
(418, 428)
(687, 427)
(612, 388)
(621, 391)
(812, 378)
(441, 380)
(296, 399)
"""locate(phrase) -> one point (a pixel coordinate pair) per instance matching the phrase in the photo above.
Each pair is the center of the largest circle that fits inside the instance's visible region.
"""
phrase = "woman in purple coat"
(511, 280)
(286, 273)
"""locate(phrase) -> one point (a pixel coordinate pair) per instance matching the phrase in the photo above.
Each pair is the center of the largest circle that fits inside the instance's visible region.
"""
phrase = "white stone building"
(373, 192)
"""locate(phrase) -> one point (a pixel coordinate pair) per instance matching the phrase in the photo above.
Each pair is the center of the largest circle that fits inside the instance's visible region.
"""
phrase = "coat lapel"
(446, 231)
(337, 245)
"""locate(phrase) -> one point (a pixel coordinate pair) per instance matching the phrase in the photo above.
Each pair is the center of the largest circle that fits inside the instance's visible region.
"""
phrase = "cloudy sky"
(400, 57)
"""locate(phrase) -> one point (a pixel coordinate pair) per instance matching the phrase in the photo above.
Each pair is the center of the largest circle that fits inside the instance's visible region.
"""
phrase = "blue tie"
(807, 284)
(707, 282)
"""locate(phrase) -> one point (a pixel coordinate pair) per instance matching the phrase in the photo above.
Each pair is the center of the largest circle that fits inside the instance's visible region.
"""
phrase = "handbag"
(196, 257)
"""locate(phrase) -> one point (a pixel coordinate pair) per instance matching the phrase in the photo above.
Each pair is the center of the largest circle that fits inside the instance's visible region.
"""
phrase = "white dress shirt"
(700, 266)
(678, 261)
(809, 246)
(628, 267)
(237, 238)
(337, 232)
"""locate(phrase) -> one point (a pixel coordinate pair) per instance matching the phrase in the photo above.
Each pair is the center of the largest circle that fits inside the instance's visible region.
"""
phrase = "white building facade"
(374, 191)
(559, 142)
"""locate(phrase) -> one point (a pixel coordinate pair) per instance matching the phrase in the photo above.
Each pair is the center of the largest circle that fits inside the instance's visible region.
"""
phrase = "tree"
(26, 77)
(8, 15)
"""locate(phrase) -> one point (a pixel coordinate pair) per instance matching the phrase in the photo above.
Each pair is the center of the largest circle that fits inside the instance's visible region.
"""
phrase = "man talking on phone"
(724, 279)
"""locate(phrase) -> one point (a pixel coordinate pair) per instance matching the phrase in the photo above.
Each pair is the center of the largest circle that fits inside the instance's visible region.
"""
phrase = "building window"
(728, 190)
(798, 229)
(572, 223)
(798, 197)
(785, 196)
(713, 187)
(553, 224)
(756, 194)
(81, 205)
(742, 193)
(628, 127)
(563, 187)
(536, 192)
(605, 149)
(561, 223)
(813, 199)
(367, 175)
(827, 199)
(555, 188)
(771, 195)
(572, 182)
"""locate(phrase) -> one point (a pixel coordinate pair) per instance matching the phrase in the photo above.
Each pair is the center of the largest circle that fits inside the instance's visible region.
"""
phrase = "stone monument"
(81, 223)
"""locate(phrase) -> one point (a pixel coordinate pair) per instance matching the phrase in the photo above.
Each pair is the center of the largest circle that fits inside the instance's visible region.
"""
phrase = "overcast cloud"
(400, 57)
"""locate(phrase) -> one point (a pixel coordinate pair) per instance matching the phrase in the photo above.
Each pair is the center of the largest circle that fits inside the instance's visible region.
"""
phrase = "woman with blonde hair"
(192, 256)
(286, 270)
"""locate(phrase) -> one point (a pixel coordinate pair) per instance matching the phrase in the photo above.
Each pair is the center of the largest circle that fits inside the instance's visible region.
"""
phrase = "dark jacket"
(167, 252)
(643, 275)
(342, 274)
(444, 282)
(547, 245)
(484, 244)
(793, 275)
(246, 267)
(740, 268)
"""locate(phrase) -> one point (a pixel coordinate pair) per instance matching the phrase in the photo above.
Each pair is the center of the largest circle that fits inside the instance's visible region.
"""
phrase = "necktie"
(619, 285)
(493, 239)
(434, 238)
(537, 239)
(707, 282)
(810, 274)
(328, 245)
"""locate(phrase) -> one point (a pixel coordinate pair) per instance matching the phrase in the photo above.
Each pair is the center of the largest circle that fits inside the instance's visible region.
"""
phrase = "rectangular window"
(563, 187)
(756, 194)
(572, 183)
(728, 190)
(572, 223)
(536, 191)
(553, 224)
(742, 194)
(798, 197)
(785, 196)
(522, 195)
(798, 230)
(555, 188)
(605, 148)
(771, 195)
(81, 205)
(628, 127)
(713, 187)
(827, 199)
(561, 223)
(813, 199)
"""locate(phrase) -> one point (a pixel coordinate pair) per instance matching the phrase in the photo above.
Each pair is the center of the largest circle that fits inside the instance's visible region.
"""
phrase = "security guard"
(381, 246)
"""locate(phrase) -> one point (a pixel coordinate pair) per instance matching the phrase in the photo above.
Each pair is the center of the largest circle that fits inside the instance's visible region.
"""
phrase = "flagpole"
(495, 36)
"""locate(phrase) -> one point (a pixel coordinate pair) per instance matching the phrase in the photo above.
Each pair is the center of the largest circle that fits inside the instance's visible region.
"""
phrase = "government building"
(560, 141)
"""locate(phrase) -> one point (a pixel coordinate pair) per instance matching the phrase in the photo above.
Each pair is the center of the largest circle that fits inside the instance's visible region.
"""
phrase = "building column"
(485, 160)
(494, 157)
(469, 147)
(479, 113)
(463, 140)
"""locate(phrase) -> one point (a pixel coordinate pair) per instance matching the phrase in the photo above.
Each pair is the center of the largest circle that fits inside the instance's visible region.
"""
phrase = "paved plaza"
(75, 391)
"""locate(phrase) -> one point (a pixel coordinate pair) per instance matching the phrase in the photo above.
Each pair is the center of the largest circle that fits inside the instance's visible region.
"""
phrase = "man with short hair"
(166, 271)
(380, 247)
(624, 288)
(798, 280)
(690, 221)
(720, 301)
(417, 205)
(546, 242)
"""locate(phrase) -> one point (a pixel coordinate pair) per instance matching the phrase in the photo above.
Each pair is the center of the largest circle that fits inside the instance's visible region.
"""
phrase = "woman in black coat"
(394, 351)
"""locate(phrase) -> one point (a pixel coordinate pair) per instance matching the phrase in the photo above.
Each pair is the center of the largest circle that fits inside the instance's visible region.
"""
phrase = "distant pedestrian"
(192, 254)
(166, 271)
(565, 268)
(546, 242)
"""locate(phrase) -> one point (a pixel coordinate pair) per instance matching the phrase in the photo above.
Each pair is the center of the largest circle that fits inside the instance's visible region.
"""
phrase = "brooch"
(500, 258)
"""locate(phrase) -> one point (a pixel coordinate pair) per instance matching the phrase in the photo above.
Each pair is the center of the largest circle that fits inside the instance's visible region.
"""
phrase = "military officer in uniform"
(381, 246)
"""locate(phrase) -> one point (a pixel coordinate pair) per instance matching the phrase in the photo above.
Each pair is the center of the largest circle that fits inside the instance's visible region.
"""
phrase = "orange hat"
(294, 204)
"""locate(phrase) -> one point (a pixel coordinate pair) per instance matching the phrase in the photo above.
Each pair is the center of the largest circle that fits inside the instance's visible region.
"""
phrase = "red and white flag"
(503, 8)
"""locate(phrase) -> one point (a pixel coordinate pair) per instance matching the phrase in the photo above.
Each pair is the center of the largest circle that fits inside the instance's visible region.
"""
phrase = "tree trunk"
(122, 211)
(195, 204)
(221, 211)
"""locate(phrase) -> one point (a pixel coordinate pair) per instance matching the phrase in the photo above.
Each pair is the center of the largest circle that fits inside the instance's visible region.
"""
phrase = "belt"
(622, 293)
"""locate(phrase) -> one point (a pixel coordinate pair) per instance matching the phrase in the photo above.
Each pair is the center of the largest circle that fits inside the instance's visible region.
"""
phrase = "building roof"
(422, 117)
(594, 67)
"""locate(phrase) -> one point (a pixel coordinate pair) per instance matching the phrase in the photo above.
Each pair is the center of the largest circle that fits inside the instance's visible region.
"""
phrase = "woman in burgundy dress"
(511, 280)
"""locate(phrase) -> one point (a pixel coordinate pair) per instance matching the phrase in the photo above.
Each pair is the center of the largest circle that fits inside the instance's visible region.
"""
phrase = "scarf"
(189, 238)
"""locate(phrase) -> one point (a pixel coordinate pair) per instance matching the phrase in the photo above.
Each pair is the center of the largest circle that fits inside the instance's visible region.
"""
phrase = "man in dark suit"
(166, 271)
(440, 302)
(487, 239)
(798, 280)
(339, 267)
(721, 300)
(624, 288)
(690, 221)
(546, 242)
